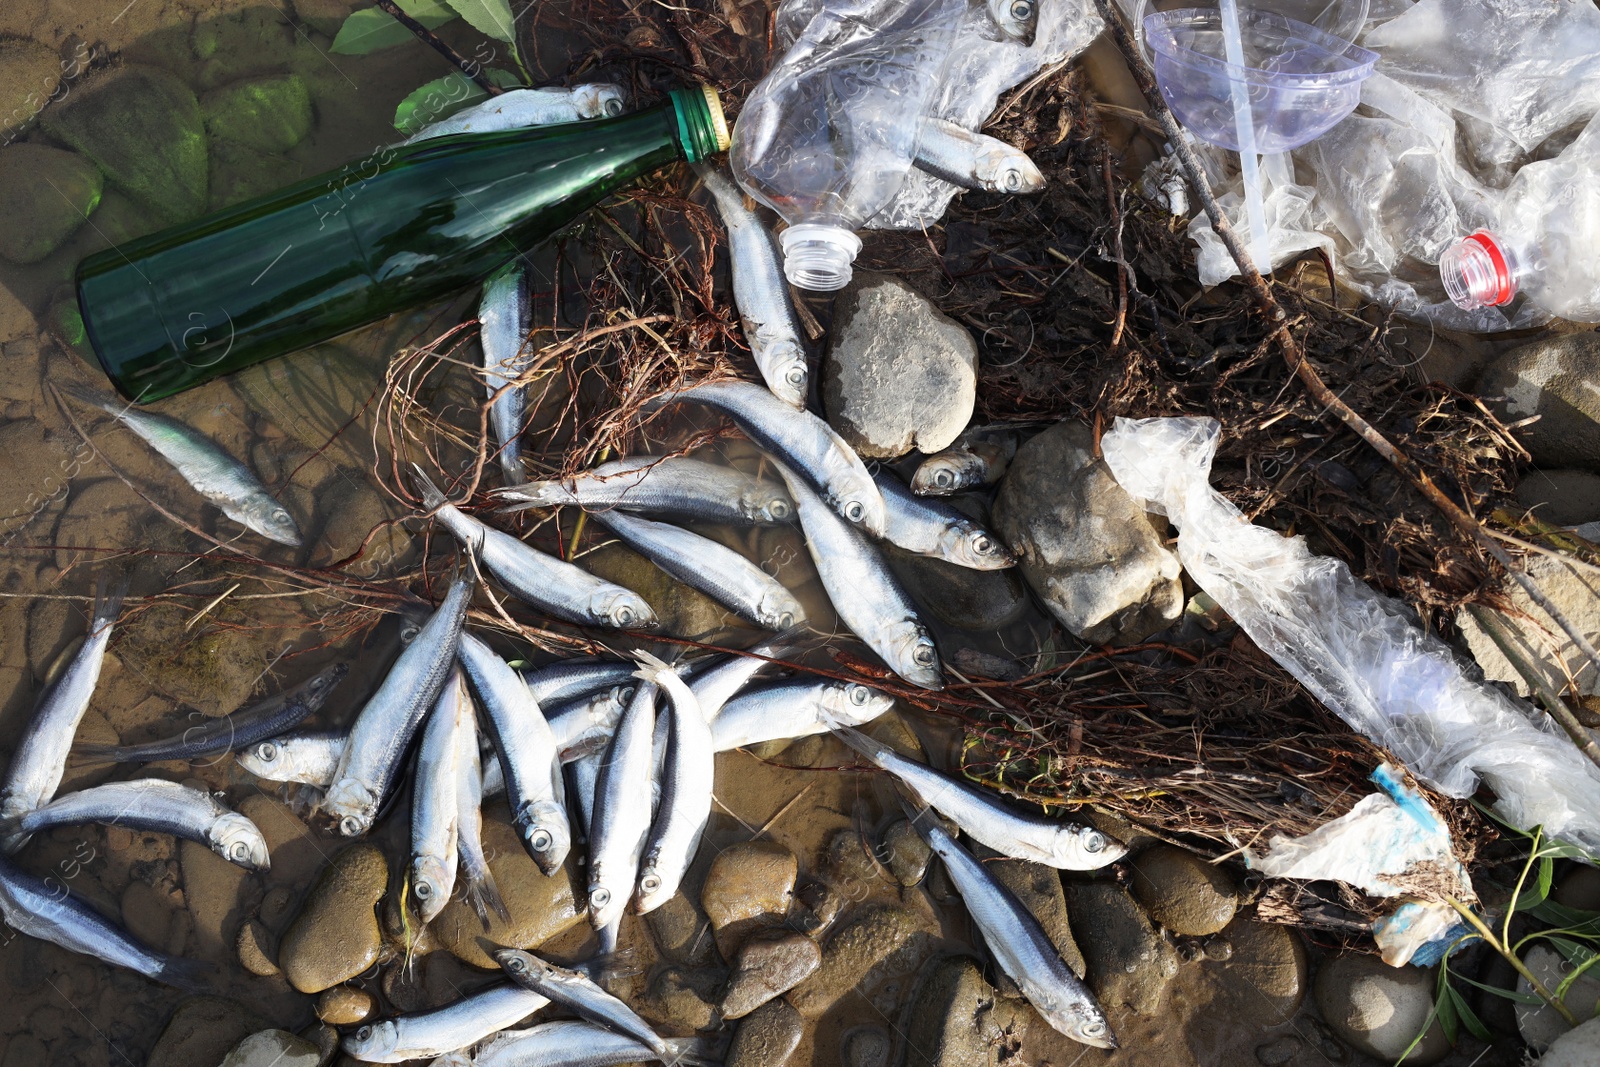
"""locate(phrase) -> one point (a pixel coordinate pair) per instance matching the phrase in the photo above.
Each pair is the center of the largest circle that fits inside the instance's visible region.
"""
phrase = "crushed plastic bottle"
(828, 136)
(1542, 244)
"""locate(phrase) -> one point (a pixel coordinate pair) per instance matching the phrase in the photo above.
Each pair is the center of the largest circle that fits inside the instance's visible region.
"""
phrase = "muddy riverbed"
(798, 849)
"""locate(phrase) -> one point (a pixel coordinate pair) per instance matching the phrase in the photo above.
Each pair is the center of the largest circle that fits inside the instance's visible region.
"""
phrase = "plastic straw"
(1245, 124)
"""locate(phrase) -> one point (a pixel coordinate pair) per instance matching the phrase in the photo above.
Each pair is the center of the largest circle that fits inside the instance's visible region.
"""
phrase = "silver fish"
(227, 733)
(685, 790)
(674, 488)
(224, 481)
(1017, 942)
(799, 438)
(435, 806)
(933, 528)
(528, 755)
(578, 991)
(715, 569)
(570, 1043)
(389, 720)
(794, 709)
(309, 758)
(53, 914)
(965, 465)
(760, 291)
(975, 160)
(162, 806)
(864, 591)
(622, 813)
(715, 686)
(1064, 845)
(1016, 18)
(518, 109)
(582, 722)
(557, 683)
(533, 577)
(505, 312)
(585, 774)
(474, 865)
(36, 766)
(434, 1033)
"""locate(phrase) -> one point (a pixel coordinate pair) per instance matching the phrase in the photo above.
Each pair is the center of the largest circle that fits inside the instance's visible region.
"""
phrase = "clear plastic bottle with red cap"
(1545, 244)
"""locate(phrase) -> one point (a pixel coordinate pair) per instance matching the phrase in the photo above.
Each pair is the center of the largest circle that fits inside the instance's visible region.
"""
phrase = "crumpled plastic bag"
(1355, 650)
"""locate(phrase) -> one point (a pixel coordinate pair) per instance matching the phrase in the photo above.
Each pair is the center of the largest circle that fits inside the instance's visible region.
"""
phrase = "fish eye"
(786, 620)
(1094, 1028)
(650, 883)
(1094, 841)
(540, 840)
(239, 851)
(516, 964)
(266, 752)
(855, 511)
(943, 479)
(364, 1034)
(1013, 180)
(859, 694)
(626, 694)
(795, 375)
(599, 897)
(350, 826)
(778, 509)
(982, 545)
(423, 890)
(923, 655)
(623, 616)
(613, 107)
(1022, 10)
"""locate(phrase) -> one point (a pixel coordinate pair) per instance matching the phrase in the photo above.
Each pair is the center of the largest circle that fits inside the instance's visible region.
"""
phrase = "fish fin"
(691, 1052)
(87, 753)
(602, 967)
(193, 976)
(485, 897)
(84, 395)
(109, 591)
(924, 820)
(787, 642)
(432, 498)
(651, 667)
(858, 741)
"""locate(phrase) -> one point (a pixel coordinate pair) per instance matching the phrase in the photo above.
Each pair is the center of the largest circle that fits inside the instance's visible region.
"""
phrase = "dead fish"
(455, 1026)
(1016, 18)
(571, 1043)
(34, 773)
(579, 992)
(622, 814)
(224, 481)
(760, 291)
(564, 680)
(518, 109)
(932, 528)
(308, 758)
(673, 488)
(505, 312)
(968, 464)
(435, 807)
(975, 160)
(685, 789)
(474, 864)
(794, 709)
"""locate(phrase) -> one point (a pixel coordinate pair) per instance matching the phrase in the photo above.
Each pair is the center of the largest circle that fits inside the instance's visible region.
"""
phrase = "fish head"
(790, 378)
(1077, 1016)
(605, 907)
(320, 685)
(431, 883)
(237, 840)
(779, 610)
(546, 833)
(1083, 848)
(374, 1042)
(1014, 17)
(1004, 169)
(653, 889)
(970, 545)
(599, 101)
(766, 504)
(852, 704)
(612, 605)
(862, 505)
(947, 473)
(523, 965)
(272, 520)
(276, 761)
(352, 805)
(912, 655)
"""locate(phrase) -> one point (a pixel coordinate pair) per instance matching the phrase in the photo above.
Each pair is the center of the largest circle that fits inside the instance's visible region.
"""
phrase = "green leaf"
(492, 18)
(1445, 1008)
(443, 97)
(1576, 973)
(1501, 991)
(1532, 898)
(372, 28)
(1469, 1018)
(1573, 920)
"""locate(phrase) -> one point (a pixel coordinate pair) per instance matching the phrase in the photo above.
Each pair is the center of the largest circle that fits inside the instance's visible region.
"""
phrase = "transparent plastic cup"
(1301, 81)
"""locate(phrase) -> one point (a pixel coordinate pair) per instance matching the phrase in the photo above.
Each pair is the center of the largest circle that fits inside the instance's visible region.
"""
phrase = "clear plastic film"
(1357, 651)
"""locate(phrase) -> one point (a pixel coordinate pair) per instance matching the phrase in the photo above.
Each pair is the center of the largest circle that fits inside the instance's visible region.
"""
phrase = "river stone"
(684, 998)
(268, 114)
(1575, 1048)
(769, 965)
(767, 1037)
(146, 912)
(681, 931)
(1097, 561)
(867, 1046)
(1264, 973)
(344, 1005)
(258, 949)
(1128, 961)
(48, 194)
(296, 853)
(1576, 593)
(211, 889)
(143, 128)
(749, 885)
(1554, 379)
(274, 1048)
(336, 935)
(862, 940)
(326, 16)
(899, 374)
(1539, 1023)
(953, 1018)
(1380, 1009)
(1579, 889)
(1038, 887)
(1183, 892)
(541, 906)
(905, 853)
(1562, 497)
(29, 75)
(681, 611)
(961, 597)
(202, 1030)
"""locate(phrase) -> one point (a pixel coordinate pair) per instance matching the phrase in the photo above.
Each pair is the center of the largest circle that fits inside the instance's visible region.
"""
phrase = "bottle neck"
(817, 257)
(1480, 270)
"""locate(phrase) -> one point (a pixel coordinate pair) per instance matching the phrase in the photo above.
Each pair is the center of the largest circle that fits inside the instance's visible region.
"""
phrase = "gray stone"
(1577, 593)
(864, 939)
(1380, 1009)
(202, 1030)
(684, 998)
(681, 931)
(336, 936)
(1262, 974)
(1562, 497)
(749, 886)
(143, 128)
(767, 1037)
(344, 1005)
(953, 1018)
(29, 74)
(273, 1048)
(866, 1046)
(1540, 1024)
(899, 374)
(1128, 962)
(769, 965)
(1183, 892)
(211, 889)
(966, 599)
(48, 194)
(270, 114)
(1096, 560)
(1553, 379)
(904, 853)
(1279, 1051)
(1576, 1048)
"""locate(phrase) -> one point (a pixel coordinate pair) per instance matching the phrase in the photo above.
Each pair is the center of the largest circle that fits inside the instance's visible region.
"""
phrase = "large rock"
(1381, 1009)
(202, 1030)
(1577, 593)
(684, 999)
(1263, 976)
(1553, 379)
(541, 906)
(1562, 497)
(1096, 560)
(143, 128)
(767, 1037)
(268, 114)
(1183, 892)
(681, 931)
(212, 889)
(899, 373)
(29, 75)
(953, 1018)
(273, 1048)
(1540, 1024)
(48, 194)
(296, 853)
(862, 941)
(1128, 962)
(336, 935)
(769, 966)
(749, 885)
(1576, 1048)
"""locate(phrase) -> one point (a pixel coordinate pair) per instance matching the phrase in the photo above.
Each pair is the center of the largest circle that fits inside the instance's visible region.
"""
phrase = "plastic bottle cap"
(1477, 273)
(719, 121)
(818, 257)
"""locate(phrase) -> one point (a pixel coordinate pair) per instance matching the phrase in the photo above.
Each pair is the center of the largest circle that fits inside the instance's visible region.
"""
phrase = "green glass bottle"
(408, 225)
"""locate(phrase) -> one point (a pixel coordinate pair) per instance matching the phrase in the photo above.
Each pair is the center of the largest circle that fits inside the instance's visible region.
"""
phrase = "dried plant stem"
(1548, 697)
(1511, 957)
(1294, 353)
(431, 39)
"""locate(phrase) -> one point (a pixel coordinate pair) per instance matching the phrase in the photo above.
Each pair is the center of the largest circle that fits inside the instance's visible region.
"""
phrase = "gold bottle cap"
(719, 121)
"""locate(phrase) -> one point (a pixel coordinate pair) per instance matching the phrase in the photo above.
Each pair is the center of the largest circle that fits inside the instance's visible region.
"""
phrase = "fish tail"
(485, 897)
(87, 753)
(86, 396)
(108, 594)
(651, 668)
(192, 976)
(432, 498)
